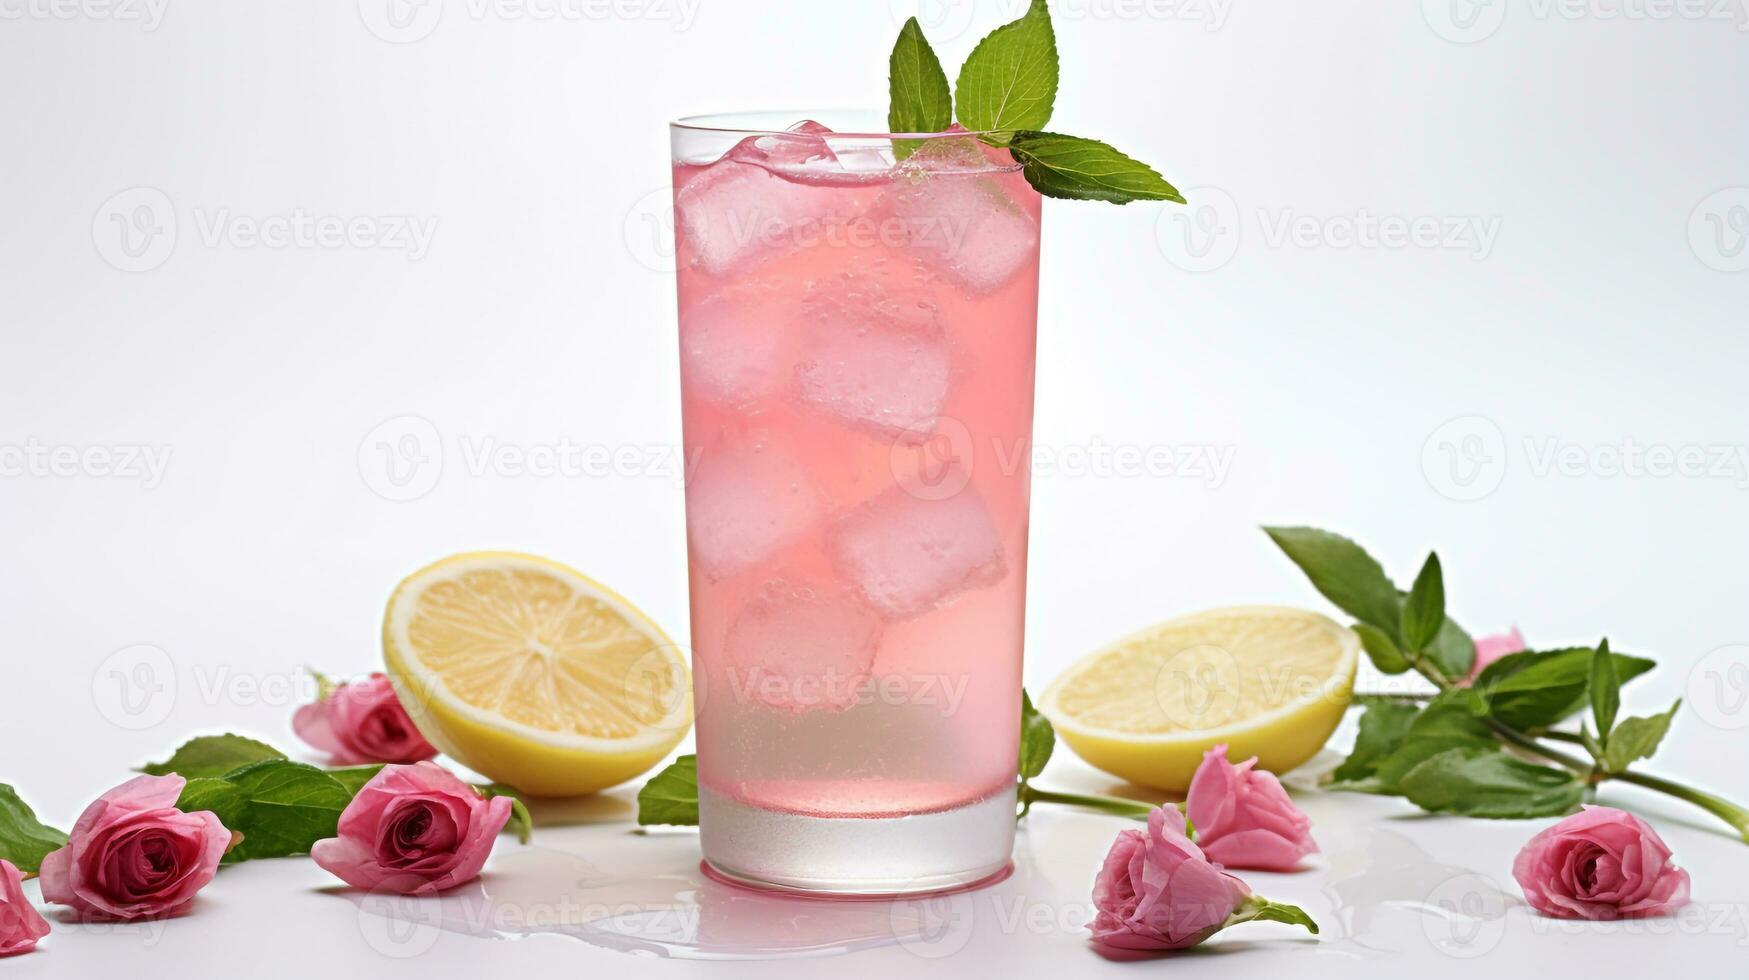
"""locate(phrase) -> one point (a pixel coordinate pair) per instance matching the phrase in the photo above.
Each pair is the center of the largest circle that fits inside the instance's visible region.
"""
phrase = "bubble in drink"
(875, 360)
(744, 503)
(908, 555)
(802, 645)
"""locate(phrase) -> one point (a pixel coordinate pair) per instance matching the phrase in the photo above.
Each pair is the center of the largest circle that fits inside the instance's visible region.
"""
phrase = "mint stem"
(1719, 807)
(1133, 809)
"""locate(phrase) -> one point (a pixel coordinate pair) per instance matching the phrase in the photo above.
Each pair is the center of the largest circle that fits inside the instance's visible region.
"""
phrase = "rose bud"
(134, 855)
(414, 830)
(1243, 818)
(1157, 890)
(21, 925)
(362, 723)
(1600, 863)
(1490, 649)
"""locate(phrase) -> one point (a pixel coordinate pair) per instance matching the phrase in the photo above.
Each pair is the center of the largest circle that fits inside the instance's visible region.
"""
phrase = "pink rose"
(1243, 818)
(1492, 648)
(21, 925)
(414, 830)
(1600, 863)
(362, 723)
(133, 854)
(1158, 891)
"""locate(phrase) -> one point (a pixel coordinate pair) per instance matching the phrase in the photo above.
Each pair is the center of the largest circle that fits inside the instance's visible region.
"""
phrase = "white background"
(1493, 395)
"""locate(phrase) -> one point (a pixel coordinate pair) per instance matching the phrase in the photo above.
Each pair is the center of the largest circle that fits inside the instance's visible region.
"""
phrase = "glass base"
(873, 856)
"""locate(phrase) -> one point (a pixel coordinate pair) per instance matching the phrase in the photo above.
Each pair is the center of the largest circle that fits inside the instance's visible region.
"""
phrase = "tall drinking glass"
(858, 313)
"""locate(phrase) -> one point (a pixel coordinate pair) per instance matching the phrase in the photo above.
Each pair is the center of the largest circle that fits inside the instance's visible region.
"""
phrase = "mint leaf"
(919, 100)
(1381, 649)
(1605, 692)
(290, 806)
(1485, 782)
(212, 755)
(671, 796)
(354, 777)
(1635, 739)
(1445, 724)
(1424, 610)
(521, 822)
(25, 840)
(1382, 728)
(1344, 573)
(223, 798)
(1537, 689)
(1453, 652)
(1086, 170)
(1037, 739)
(1009, 81)
(1260, 909)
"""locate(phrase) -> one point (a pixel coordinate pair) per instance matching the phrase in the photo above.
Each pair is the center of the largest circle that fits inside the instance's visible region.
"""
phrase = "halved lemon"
(1268, 681)
(534, 674)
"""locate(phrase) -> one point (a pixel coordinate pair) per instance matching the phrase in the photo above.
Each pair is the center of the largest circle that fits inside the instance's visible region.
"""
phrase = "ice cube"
(743, 504)
(734, 212)
(735, 348)
(802, 645)
(965, 226)
(908, 554)
(873, 358)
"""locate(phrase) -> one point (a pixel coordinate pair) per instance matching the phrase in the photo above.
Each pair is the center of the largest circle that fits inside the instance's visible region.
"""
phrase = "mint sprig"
(1460, 752)
(1005, 93)
(213, 755)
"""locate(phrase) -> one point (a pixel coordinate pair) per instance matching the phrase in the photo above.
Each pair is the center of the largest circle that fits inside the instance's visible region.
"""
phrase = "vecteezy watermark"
(149, 14)
(1718, 230)
(1205, 235)
(648, 229)
(1465, 916)
(1718, 688)
(832, 687)
(136, 230)
(407, 21)
(1466, 459)
(1470, 21)
(945, 20)
(34, 459)
(135, 687)
(403, 459)
(935, 459)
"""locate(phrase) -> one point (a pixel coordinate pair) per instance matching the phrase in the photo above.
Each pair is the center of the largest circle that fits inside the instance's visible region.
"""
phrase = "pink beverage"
(856, 339)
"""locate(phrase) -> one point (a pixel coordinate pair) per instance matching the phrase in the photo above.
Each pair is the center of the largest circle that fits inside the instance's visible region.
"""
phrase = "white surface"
(1590, 163)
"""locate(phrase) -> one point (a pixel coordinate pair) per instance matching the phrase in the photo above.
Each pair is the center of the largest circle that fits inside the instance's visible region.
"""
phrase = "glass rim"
(736, 123)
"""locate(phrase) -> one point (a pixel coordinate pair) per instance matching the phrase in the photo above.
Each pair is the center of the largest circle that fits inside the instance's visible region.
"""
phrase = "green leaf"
(919, 99)
(1635, 739)
(290, 807)
(1605, 692)
(1259, 909)
(1537, 689)
(1382, 728)
(1485, 782)
(671, 797)
(212, 755)
(1009, 81)
(1453, 652)
(1344, 573)
(1381, 649)
(354, 777)
(1424, 610)
(521, 821)
(25, 840)
(223, 798)
(1445, 724)
(1086, 170)
(1037, 739)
